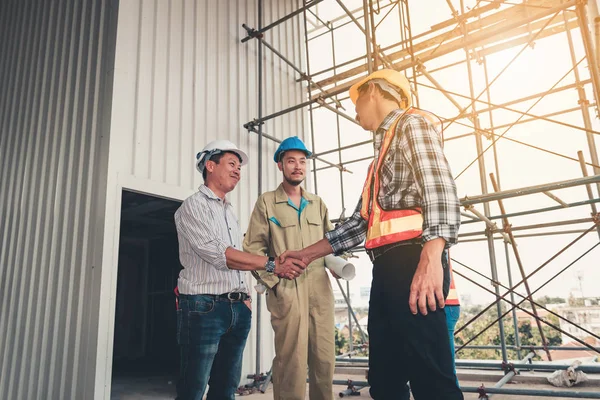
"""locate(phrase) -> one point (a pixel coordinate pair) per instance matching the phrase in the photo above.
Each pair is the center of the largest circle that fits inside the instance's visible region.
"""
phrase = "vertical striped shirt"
(206, 227)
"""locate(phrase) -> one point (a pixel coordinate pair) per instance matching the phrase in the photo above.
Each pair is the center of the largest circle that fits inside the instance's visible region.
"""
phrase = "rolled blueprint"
(341, 267)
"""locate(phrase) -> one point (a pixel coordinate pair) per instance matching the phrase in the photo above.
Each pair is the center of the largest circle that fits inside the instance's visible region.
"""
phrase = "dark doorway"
(145, 353)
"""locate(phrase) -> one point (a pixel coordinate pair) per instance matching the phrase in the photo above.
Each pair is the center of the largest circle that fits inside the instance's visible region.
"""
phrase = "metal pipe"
(560, 317)
(536, 235)
(264, 135)
(513, 243)
(539, 210)
(303, 75)
(565, 248)
(532, 366)
(533, 392)
(348, 162)
(597, 37)
(260, 120)
(512, 298)
(589, 49)
(588, 187)
(532, 226)
(362, 333)
(475, 39)
(423, 70)
(373, 39)
(585, 111)
(350, 146)
(484, 190)
(353, 19)
(556, 199)
(351, 338)
(260, 30)
(491, 227)
(506, 194)
(338, 112)
(524, 309)
(518, 119)
(534, 117)
(553, 348)
(260, 163)
(309, 93)
(367, 36)
(506, 378)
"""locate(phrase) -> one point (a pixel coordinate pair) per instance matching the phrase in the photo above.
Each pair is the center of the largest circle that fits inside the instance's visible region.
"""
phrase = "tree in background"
(529, 335)
(341, 344)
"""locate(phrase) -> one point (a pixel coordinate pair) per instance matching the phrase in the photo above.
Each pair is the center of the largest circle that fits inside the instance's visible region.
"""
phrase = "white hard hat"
(217, 147)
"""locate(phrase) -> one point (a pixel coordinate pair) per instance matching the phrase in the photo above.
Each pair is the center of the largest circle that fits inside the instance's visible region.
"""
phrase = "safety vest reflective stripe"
(388, 226)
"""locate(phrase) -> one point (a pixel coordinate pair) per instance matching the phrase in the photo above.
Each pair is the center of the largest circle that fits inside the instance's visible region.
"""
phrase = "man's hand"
(427, 283)
(295, 255)
(290, 268)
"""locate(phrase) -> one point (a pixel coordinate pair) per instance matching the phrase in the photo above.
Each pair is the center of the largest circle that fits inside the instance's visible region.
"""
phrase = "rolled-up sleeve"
(422, 148)
(194, 224)
(349, 233)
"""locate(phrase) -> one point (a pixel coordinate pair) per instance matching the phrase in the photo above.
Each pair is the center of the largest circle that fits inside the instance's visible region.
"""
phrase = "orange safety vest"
(389, 226)
(452, 299)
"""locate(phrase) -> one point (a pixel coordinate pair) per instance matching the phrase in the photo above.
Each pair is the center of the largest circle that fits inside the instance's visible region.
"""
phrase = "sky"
(536, 70)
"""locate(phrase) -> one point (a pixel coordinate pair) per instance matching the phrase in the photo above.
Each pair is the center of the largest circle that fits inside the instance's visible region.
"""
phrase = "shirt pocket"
(287, 221)
(315, 226)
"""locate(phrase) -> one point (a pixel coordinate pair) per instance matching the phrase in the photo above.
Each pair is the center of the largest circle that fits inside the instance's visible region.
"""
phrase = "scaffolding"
(465, 40)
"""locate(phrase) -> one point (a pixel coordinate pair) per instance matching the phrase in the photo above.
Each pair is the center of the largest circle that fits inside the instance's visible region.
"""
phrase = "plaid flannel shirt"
(415, 173)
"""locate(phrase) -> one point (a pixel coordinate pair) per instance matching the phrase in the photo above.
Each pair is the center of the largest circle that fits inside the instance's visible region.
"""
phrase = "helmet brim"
(242, 155)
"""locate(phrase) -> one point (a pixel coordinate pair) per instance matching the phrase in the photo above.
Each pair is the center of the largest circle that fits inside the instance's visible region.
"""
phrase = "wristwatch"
(270, 265)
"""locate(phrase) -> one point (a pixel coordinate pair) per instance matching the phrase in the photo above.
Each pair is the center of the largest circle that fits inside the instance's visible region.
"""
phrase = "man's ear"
(210, 166)
(280, 166)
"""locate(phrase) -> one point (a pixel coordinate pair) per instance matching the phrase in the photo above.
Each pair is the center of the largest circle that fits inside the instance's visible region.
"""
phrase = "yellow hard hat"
(393, 77)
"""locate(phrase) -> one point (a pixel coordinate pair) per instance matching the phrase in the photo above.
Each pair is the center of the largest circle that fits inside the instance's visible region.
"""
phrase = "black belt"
(231, 296)
(381, 250)
(234, 296)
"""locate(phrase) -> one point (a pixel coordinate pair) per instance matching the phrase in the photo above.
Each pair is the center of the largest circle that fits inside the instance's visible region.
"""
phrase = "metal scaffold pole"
(260, 173)
(484, 190)
(475, 34)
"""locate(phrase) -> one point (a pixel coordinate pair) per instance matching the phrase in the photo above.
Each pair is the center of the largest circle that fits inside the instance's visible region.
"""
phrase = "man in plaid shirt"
(407, 325)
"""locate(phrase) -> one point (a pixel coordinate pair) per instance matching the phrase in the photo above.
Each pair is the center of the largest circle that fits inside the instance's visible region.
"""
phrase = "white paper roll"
(341, 267)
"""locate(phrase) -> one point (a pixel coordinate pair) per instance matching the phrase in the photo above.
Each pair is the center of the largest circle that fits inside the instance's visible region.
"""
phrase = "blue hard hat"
(291, 143)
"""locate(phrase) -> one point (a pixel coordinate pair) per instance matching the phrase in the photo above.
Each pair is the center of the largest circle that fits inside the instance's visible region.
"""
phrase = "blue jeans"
(211, 332)
(452, 315)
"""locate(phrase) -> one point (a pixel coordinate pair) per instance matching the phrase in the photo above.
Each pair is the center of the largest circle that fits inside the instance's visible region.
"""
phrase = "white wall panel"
(181, 79)
(55, 61)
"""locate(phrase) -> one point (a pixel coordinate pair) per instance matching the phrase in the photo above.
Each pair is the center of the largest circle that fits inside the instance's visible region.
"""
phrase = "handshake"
(291, 264)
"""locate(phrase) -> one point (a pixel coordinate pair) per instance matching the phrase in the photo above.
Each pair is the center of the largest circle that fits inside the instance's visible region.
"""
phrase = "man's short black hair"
(217, 159)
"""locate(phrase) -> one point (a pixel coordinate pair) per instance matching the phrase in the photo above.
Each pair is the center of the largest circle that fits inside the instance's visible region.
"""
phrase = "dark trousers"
(404, 347)
(212, 335)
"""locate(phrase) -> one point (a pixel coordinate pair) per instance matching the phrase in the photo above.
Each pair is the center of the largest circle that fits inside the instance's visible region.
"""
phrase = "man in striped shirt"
(213, 313)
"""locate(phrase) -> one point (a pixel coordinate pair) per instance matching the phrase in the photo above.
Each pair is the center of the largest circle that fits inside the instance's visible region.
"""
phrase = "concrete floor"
(162, 388)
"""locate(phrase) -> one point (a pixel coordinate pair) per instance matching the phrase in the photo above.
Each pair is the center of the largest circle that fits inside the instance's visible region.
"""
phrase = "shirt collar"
(208, 193)
(385, 125)
(282, 197)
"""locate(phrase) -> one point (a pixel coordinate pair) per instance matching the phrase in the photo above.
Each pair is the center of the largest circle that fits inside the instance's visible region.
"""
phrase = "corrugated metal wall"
(182, 78)
(53, 86)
